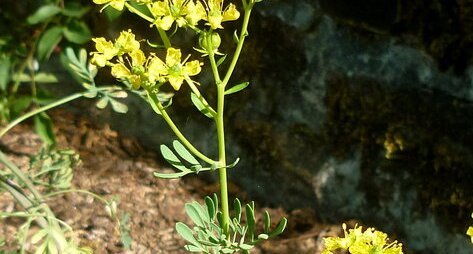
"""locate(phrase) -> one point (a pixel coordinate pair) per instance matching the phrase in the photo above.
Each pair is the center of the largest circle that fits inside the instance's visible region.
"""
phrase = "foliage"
(40, 29)
(51, 173)
(357, 241)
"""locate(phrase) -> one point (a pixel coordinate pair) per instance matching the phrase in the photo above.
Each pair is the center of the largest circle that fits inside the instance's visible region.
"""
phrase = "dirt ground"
(116, 166)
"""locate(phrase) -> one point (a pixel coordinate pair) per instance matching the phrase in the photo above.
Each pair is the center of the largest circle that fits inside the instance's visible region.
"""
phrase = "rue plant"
(167, 66)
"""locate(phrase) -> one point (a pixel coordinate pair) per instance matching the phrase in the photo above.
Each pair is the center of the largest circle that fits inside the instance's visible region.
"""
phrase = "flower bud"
(210, 41)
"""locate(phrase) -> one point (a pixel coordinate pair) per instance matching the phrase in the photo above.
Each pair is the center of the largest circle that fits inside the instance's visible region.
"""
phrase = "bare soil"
(117, 166)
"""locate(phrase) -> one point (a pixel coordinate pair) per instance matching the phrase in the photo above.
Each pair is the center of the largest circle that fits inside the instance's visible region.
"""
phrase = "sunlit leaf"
(102, 103)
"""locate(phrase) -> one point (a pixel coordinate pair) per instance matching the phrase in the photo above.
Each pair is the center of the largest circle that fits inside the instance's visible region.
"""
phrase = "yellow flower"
(216, 14)
(182, 12)
(116, 4)
(105, 51)
(173, 70)
(136, 75)
(358, 242)
(126, 42)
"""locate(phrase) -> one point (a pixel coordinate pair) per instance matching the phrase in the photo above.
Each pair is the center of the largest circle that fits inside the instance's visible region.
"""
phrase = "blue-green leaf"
(184, 153)
(193, 213)
(118, 106)
(170, 157)
(170, 175)
(210, 207)
(186, 233)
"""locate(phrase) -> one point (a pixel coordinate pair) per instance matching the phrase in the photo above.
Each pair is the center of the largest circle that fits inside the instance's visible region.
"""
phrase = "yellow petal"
(126, 42)
(159, 9)
(118, 4)
(165, 22)
(215, 20)
(101, 1)
(156, 69)
(173, 57)
(137, 58)
(176, 82)
(99, 60)
(120, 71)
(192, 68)
(230, 13)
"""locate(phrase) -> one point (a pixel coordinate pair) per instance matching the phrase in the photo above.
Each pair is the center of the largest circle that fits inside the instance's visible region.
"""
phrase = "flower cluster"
(183, 12)
(358, 242)
(129, 63)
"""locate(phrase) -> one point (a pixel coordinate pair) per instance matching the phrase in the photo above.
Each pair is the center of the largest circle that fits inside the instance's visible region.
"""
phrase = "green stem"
(215, 72)
(222, 172)
(47, 107)
(241, 40)
(176, 130)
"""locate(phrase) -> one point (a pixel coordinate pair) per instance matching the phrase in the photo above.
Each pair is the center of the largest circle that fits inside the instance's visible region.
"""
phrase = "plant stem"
(222, 172)
(177, 132)
(46, 107)
(241, 40)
